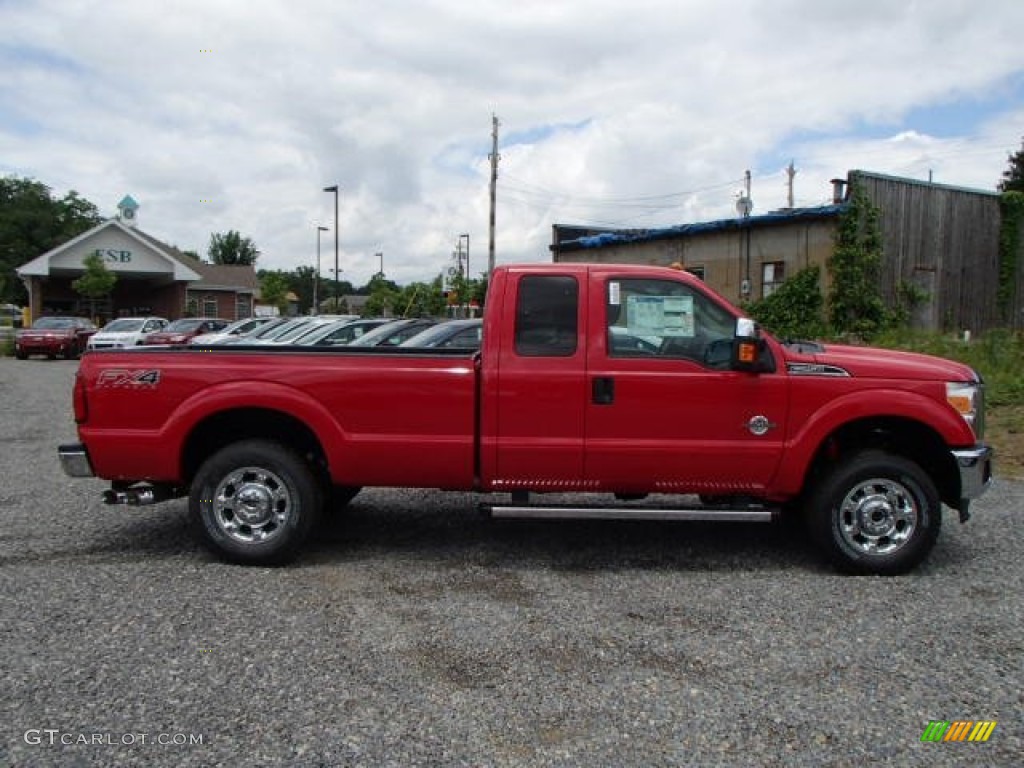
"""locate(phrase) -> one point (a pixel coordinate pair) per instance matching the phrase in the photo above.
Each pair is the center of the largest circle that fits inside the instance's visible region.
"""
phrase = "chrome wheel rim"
(252, 504)
(878, 516)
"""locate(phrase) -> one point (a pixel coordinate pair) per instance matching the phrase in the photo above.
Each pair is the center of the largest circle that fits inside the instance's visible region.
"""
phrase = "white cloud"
(218, 116)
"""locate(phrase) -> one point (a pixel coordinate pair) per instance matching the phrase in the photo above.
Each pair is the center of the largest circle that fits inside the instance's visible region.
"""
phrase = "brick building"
(153, 278)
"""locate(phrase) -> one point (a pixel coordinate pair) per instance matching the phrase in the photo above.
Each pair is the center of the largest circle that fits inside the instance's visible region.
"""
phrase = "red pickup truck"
(637, 389)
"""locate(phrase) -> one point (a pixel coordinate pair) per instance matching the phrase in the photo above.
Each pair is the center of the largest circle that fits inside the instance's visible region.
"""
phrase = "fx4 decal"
(119, 378)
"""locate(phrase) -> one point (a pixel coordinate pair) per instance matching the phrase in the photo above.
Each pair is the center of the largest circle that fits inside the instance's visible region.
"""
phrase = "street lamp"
(316, 276)
(337, 289)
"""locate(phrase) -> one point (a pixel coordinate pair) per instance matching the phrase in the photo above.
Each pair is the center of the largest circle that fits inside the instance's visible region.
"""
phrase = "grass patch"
(998, 356)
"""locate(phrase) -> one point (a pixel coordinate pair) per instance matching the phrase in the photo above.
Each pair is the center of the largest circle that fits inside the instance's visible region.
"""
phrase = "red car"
(184, 330)
(52, 336)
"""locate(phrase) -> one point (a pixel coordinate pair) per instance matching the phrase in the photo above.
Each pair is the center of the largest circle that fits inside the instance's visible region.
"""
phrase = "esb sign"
(114, 257)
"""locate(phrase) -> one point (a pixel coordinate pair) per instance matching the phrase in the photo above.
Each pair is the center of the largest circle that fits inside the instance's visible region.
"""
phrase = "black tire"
(875, 513)
(21, 355)
(255, 502)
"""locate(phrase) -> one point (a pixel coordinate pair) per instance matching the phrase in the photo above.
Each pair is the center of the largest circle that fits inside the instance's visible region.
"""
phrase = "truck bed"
(388, 416)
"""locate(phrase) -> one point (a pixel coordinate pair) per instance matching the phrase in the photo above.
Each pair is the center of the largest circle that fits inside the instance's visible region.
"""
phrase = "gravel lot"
(416, 633)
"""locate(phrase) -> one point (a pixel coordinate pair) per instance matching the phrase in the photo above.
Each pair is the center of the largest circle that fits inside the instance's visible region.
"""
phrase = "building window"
(697, 272)
(192, 308)
(209, 308)
(243, 307)
(773, 273)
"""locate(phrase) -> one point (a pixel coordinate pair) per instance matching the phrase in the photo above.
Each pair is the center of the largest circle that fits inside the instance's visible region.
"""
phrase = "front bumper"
(975, 465)
(74, 460)
(42, 346)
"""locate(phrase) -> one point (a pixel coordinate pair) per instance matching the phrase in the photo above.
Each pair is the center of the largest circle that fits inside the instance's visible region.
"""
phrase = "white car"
(237, 330)
(125, 332)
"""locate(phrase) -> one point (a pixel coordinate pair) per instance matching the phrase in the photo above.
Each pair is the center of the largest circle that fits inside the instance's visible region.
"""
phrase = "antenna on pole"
(744, 205)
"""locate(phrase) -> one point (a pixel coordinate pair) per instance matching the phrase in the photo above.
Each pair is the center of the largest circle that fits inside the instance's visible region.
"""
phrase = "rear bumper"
(74, 460)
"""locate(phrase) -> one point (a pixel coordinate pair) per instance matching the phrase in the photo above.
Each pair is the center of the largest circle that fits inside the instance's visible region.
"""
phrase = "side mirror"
(746, 346)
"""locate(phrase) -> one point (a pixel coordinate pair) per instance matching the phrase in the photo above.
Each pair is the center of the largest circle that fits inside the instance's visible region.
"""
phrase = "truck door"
(663, 411)
(541, 386)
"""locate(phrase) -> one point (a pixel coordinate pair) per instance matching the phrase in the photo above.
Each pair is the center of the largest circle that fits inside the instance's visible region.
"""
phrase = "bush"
(795, 309)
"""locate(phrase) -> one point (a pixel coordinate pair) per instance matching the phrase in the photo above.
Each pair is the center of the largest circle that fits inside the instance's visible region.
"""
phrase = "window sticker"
(660, 316)
(614, 294)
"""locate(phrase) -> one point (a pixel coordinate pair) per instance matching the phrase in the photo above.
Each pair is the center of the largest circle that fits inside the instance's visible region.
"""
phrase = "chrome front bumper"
(975, 465)
(74, 460)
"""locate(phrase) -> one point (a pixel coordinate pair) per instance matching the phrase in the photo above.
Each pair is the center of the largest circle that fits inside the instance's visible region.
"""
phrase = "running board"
(556, 512)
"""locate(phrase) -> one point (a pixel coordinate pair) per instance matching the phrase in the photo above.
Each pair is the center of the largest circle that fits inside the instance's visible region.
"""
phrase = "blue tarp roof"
(776, 217)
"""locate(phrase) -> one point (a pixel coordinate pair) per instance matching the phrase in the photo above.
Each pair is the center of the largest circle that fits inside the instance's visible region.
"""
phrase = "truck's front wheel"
(255, 502)
(875, 513)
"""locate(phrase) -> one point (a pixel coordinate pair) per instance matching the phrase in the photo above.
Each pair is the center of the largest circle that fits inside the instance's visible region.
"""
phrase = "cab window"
(546, 316)
(663, 318)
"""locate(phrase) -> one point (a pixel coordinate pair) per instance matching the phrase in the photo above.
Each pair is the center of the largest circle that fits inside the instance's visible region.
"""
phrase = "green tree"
(1013, 176)
(96, 281)
(422, 300)
(384, 297)
(274, 290)
(855, 299)
(232, 248)
(33, 222)
(795, 309)
(300, 282)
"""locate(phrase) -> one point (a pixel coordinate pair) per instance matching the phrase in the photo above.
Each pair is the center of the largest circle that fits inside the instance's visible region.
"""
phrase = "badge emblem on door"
(759, 425)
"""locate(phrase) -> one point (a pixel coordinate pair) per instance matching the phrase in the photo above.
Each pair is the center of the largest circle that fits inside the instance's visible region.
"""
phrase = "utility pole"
(494, 157)
(790, 173)
(380, 255)
(467, 252)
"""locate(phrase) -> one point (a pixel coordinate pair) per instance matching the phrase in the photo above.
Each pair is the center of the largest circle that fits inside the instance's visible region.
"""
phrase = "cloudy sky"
(221, 114)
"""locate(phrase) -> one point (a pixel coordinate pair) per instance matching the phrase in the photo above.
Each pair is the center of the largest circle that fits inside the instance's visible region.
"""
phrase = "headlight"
(968, 399)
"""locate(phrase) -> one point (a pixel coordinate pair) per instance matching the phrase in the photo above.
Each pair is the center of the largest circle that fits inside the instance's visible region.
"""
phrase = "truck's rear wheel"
(255, 502)
(875, 513)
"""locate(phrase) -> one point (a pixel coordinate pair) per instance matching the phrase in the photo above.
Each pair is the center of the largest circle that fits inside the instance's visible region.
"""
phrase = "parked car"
(302, 326)
(184, 330)
(11, 314)
(262, 332)
(392, 334)
(340, 332)
(52, 336)
(463, 334)
(238, 329)
(126, 332)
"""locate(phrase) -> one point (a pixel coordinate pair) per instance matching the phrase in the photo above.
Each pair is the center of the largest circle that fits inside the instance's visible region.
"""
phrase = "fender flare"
(241, 395)
(804, 443)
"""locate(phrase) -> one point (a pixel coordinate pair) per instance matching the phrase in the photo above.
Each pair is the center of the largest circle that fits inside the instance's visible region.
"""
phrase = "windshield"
(372, 338)
(465, 332)
(279, 330)
(185, 324)
(265, 330)
(124, 325)
(297, 330)
(44, 323)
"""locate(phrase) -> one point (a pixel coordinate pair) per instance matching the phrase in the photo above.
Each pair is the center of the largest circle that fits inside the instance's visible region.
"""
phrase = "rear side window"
(546, 316)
